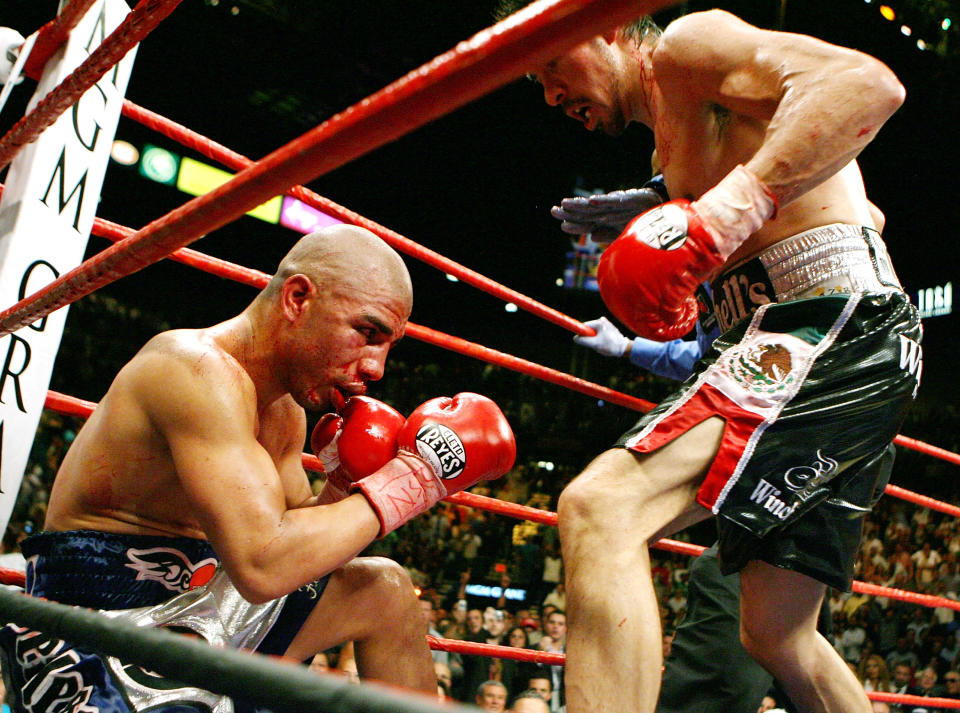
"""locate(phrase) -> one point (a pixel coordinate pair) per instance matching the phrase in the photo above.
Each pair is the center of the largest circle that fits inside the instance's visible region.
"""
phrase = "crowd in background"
(891, 645)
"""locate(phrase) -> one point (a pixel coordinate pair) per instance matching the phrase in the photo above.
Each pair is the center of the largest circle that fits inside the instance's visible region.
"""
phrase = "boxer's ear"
(294, 294)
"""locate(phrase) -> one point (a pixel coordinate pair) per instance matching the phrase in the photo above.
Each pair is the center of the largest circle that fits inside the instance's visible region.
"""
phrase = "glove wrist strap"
(735, 209)
(401, 490)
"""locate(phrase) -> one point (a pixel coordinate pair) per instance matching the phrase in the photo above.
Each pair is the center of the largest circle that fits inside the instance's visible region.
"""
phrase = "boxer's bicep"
(208, 421)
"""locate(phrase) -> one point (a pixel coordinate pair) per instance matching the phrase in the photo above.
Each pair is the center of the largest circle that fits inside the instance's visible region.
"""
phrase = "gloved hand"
(353, 444)
(10, 42)
(604, 215)
(446, 445)
(607, 341)
(647, 277)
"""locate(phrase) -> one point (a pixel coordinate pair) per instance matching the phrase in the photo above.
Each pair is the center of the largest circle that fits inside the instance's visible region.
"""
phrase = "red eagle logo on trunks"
(171, 568)
(763, 368)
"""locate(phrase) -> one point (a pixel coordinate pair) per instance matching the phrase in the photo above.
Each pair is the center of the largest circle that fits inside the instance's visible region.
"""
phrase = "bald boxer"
(782, 427)
(184, 491)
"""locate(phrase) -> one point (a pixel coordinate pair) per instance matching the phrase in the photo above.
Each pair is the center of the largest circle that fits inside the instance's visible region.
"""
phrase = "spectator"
(951, 684)
(887, 630)
(902, 678)
(476, 669)
(529, 702)
(534, 634)
(444, 676)
(919, 626)
(541, 682)
(668, 636)
(557, 597)
(926, 561)
(851, 641)
(493, 622)
(927, 687)
(902, 654)
(677, 601)
(452, 661)
(320, 663)
(516, 674)
(900, 560)
(492, 696)
(874, 674)
(555, 641)
(767, 704)
(552, 568)
(944, 615)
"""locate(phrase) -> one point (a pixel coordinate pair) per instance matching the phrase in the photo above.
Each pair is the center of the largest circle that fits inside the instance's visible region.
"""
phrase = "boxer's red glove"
(354, 443)
(446, 445)
(648, 275)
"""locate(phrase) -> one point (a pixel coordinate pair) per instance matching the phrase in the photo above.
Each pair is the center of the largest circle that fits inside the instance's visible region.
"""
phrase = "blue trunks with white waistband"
(151, 581)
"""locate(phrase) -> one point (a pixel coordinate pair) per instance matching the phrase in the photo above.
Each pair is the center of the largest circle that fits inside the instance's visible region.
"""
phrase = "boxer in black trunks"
(185, 492)
(758, 132)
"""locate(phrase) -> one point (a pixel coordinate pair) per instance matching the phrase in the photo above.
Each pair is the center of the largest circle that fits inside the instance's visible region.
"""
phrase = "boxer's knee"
(384, 588)
(609, 490)
(378, 577)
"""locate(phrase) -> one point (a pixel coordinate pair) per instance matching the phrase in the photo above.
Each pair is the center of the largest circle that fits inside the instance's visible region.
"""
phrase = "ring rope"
(263, 680)
(523, 512)
(258, 279)
(13, 577)
(231, 159)
(457, 646)
(929, 450)
(135, 26)
(909, 699)
(53, 34)
(280, 686)
(473, 68)
(869, 588)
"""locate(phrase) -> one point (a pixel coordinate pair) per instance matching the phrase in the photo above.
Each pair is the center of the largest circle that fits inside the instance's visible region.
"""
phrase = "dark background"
(476, 185)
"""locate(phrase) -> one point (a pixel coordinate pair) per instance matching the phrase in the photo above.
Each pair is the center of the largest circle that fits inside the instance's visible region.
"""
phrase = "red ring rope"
(78, 407)
(135, 26)
(544, 657)
(474, 67)
(53, 34)
(231, 159)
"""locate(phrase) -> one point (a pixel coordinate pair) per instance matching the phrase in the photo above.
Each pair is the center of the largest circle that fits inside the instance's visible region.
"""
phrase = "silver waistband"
(832, 259)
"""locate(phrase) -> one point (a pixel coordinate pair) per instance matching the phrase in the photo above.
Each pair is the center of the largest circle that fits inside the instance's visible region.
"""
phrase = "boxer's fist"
(446, 445)
(464, 439)
(648, 275)
(356, 442)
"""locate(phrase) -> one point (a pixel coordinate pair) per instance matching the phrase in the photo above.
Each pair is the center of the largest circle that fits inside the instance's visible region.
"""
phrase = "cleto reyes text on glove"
(446, 445)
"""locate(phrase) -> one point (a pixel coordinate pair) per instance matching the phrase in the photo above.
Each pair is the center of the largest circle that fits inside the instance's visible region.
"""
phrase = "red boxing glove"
(648, 275)
(355, 443)
(446, 445)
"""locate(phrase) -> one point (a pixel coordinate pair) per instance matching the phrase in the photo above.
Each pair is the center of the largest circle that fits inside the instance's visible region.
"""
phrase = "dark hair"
(526, 637)
(541, 672)
(639, 29)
